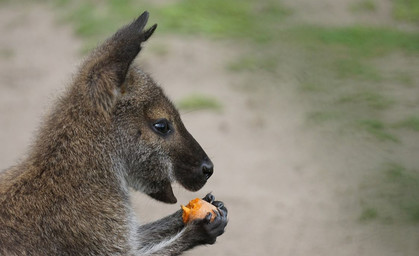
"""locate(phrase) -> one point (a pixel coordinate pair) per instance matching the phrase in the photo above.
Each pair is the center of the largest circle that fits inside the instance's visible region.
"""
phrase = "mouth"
(165, 195)
(192, 178)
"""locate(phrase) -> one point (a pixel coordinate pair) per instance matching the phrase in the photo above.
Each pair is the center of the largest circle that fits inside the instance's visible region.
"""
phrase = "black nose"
(207, 168)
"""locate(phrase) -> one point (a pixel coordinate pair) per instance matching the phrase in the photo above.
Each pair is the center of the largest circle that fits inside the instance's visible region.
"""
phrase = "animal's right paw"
(207, 231)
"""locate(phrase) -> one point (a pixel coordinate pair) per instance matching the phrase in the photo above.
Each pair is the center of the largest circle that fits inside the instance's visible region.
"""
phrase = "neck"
(74, 144)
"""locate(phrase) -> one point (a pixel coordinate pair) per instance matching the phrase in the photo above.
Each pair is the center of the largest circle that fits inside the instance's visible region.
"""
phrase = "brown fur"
(70, 195)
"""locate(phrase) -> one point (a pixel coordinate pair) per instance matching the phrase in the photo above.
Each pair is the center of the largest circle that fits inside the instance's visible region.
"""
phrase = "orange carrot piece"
(197, 209)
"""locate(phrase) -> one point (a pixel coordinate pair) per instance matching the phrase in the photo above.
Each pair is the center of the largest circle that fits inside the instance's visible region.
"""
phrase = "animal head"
(150, 143)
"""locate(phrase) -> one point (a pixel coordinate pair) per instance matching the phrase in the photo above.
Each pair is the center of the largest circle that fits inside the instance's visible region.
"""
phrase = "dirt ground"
(289, 190)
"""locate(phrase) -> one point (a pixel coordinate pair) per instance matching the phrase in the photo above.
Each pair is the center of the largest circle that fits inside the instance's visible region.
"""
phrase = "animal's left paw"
(207, 230)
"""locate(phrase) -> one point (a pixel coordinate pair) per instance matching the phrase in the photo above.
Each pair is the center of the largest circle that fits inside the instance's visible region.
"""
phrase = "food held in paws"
(198, 209)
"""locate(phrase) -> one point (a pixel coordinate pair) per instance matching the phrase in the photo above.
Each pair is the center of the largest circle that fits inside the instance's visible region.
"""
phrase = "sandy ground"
(289, 190)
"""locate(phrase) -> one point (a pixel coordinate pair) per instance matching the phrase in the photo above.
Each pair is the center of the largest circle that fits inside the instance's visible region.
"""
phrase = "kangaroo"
(114, 128)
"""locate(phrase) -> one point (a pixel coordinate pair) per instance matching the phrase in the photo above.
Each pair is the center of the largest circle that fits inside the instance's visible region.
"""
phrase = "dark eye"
(162, 126)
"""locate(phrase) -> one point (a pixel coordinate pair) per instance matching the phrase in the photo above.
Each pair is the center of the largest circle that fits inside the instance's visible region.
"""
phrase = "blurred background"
(309, 109)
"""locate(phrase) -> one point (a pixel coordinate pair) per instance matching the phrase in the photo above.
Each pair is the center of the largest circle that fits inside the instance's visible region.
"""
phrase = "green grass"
(406, 10)
(241, 19)
(369, 99)
(377, 129)
(411, 123)
(391, 194)
(405, 78)
(94, 21)
(359, 41)
(405, 192)
(368, 214)
(199, 102)
(245, 19)
(352, 68)
(395, 173)
(341, 73)
(364, 6)
(312, 87)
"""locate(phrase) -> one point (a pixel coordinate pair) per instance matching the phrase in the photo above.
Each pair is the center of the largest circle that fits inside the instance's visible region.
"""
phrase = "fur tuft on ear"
(105, 69)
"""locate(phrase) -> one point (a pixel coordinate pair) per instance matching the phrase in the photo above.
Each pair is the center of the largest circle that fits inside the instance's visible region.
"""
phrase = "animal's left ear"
(105, 69)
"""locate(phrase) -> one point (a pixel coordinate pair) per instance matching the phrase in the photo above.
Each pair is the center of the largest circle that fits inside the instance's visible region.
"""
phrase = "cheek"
(150, 161)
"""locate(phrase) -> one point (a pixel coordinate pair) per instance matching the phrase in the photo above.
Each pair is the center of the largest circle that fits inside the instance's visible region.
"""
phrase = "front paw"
(208, 230)
(210, 198)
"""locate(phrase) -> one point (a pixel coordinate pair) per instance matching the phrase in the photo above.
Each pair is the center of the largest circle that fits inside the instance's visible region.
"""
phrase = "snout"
(193, 176)
(192, 166)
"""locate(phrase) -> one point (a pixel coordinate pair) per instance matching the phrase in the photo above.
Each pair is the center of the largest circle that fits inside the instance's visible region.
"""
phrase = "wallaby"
(114, 128)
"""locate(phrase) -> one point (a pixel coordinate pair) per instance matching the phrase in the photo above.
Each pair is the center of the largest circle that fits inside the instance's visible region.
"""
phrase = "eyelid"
(160, 120)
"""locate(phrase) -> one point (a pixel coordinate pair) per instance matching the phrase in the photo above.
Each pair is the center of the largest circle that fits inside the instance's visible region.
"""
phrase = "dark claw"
(209, 198)
(218, 204)
(221, 208)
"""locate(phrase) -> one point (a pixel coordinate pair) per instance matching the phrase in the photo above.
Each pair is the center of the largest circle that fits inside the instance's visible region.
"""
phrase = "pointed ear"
(124, 46)
(105, 69)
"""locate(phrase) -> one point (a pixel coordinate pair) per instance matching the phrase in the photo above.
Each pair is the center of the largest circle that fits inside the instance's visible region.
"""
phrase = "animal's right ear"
(105, 69)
